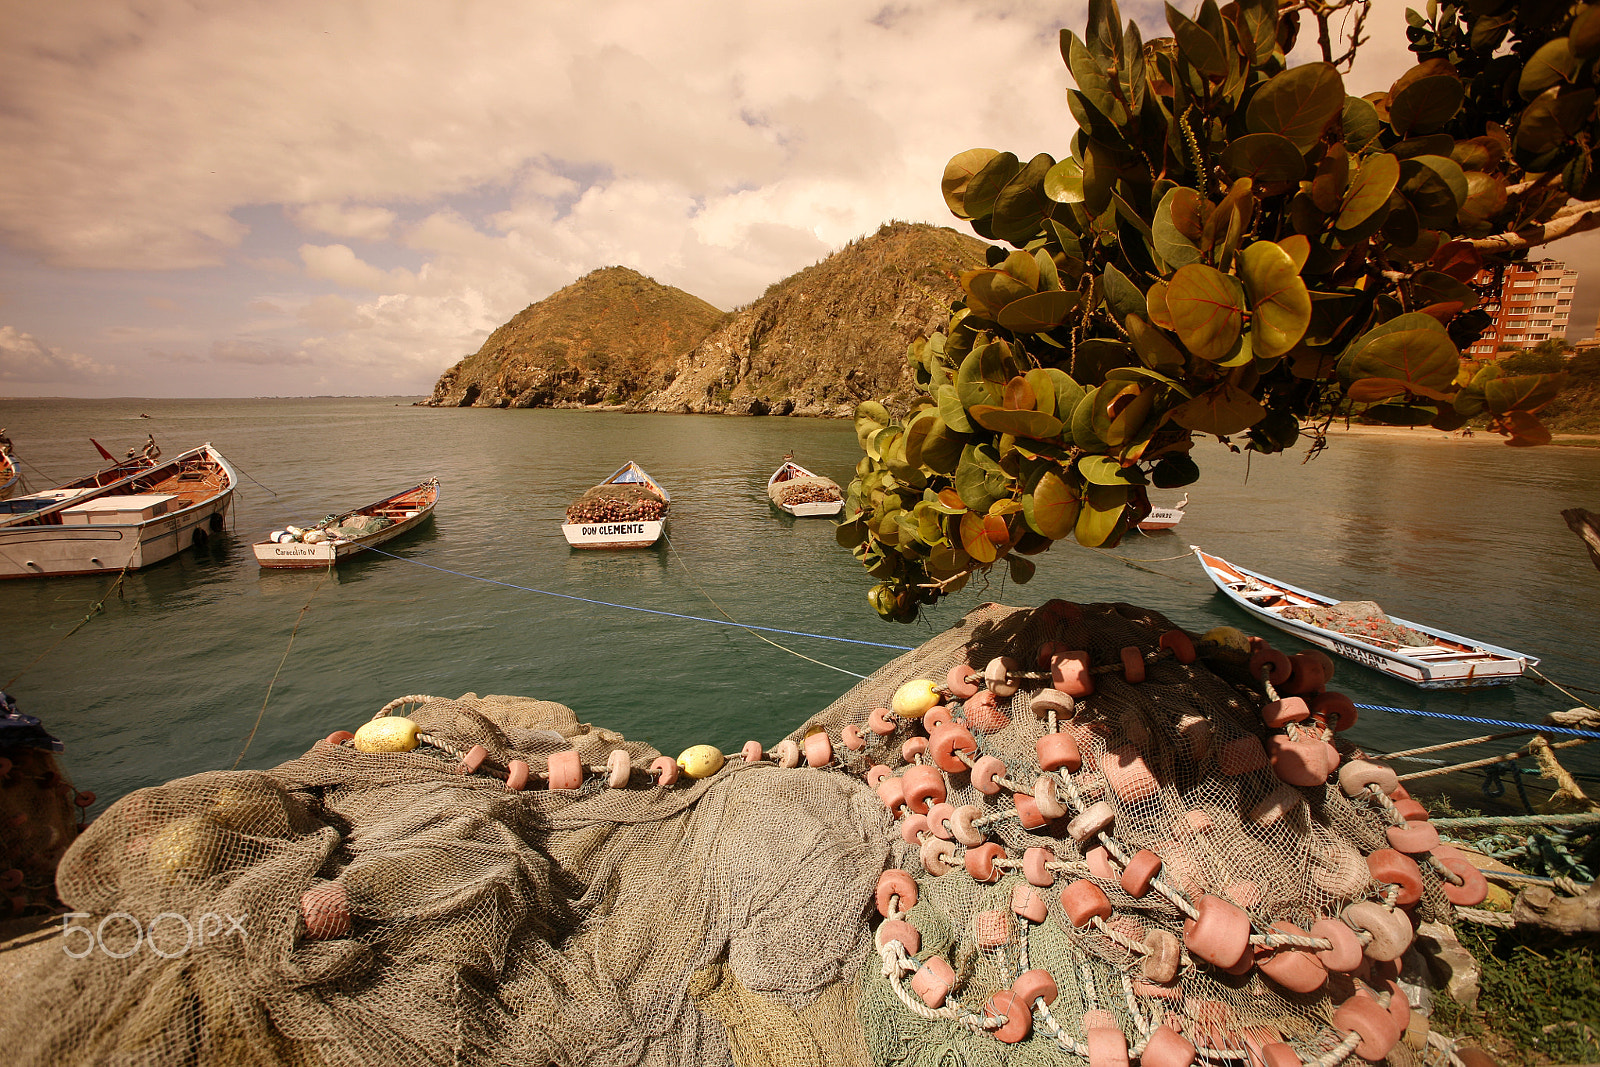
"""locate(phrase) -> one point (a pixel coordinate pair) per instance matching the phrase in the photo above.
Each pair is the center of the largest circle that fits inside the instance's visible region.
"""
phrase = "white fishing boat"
(1164, 518)
(1359, 630)
(339, 537)
(800, 492)
(627, 510)
(9, 475)
(128, 522)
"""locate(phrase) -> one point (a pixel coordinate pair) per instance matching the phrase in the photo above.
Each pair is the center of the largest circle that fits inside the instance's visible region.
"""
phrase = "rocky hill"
(816, 343)
(608, 338)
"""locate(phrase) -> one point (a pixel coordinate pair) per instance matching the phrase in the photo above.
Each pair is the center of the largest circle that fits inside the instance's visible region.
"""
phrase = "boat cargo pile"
(627, 510)
(798, 491)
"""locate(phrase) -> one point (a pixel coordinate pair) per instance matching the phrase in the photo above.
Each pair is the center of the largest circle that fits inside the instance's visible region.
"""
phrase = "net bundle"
(617, 503)
(1359, 618)
(807, 490)
(520, 887)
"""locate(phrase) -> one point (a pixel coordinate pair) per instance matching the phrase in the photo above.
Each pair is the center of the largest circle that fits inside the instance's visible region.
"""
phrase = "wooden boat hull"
(789, 471)
(605, 535)
(69, 538)
(1452, 662)
(820, 507)
(298, 555)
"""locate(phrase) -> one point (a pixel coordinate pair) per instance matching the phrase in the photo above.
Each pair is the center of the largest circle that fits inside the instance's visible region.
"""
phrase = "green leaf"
(1051, 509)
(1369, 190)
(1099, 521)
(1553, 65)
(1521, 392)
(1169, 231)
(1361, 124)
(1426, 104)
(1436, 186)
(1034, 424)
(1200, 48)
(1103, 470)
(1153, 346)
(1067, 392)
(989, 290)
(985, 185)
(1135, 374)
(1155, 303)
(975, 540)
(1093, 80)
(1224, 410)
(1207, 309)
(1298, 104)
(1063, 183)
(958, 175)
(1021, 568)
(981, 379)
(1279, 301)
(1122, 296)
(1267, 158)
(951, 410)
(1044, 389)
(1038, 311)
(1022, 206)
(1418, 357)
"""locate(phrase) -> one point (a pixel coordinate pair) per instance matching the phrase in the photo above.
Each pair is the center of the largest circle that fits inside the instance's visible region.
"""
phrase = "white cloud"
(340, 265)
(362, 222)
(27, 362)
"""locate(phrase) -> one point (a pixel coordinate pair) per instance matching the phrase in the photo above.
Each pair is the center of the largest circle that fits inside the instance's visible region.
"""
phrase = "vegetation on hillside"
(1231, 247)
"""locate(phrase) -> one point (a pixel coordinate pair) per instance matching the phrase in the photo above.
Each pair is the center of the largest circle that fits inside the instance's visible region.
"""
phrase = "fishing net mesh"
(806, 490)
(617, 502)
(724, 920)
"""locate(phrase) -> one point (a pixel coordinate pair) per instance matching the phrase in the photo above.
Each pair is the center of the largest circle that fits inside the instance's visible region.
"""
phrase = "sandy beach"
(1428, 435)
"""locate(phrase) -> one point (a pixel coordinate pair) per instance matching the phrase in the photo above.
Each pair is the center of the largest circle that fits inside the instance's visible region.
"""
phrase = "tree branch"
(1574, 218)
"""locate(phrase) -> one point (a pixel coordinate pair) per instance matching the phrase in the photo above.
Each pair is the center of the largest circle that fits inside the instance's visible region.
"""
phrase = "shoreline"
(1428, 435)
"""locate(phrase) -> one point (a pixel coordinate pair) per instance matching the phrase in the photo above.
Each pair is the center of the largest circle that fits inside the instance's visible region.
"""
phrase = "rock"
(1454, 969)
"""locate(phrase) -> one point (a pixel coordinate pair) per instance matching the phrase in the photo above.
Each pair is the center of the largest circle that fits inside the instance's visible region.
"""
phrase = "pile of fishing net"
(360, 526)
(1359, 618)
(489, 881)
(814, 489)
(615, 502)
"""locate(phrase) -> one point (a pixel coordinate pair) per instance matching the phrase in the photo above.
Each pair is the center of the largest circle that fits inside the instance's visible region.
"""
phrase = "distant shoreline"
(1428, 435)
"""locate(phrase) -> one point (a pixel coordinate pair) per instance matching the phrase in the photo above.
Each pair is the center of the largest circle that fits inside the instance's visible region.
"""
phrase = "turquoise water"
(171, 677)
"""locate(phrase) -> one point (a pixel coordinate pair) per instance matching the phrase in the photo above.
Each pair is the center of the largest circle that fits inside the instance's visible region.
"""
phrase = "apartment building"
(1533, 305)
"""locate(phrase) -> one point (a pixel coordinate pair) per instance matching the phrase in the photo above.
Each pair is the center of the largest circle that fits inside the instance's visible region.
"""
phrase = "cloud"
(340, 265)
(26, 361)
(362, 222)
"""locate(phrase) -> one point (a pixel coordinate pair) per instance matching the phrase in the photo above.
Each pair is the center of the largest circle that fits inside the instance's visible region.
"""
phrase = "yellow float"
(392, 733)
(701, 761)
(915, 698)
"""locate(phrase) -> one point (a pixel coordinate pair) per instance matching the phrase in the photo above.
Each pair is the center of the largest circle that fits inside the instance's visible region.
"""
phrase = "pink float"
(1019, 1016)
(956, 682)
(1132, 664)
(877, 773)
(1129, 775)
(923, 785)
(1027, 902)
(937, 856)
(1295, 969)
(1070, 673)
(517, 774)
(665, 768)
(946, 742)
(993, 928)
(963, 825)
(912, 747)
(984, 773)
(1168, 1048)
(937, 716)
(1413, 837)
(1179, 644)
(1036, 869)
(983, 713)
(1302, 763)
(1375, 1025)
(1219, 934)
(1306, 674)
(1092, 821)
(912, 827)
(753, 753)
(1083, 901)
(819, 749)
(325, 908)
(1141, 870)
(1335, 710)
(566, 769)
(900, 930)
(1345, 955)
(1099, 861)
(338, 737)
(1391, 867)
(1035, 985)
(1047, 798)
(1268, 664)
(980, 862)
(1280, 713)
(933, 980)
(1057, 751)
(938, 816)
(892, 791)
(1028, 812)
(1241, 755)
(1473, 887)
(474, 759)
(851, 736)
(1108, 1046)
(881, 722)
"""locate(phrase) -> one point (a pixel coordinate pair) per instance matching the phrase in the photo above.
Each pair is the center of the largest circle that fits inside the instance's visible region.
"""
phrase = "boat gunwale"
(1496, 653)
(347, 547)
(23, 519)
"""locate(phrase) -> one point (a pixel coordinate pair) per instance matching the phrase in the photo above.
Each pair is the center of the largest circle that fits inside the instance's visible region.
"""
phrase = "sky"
(307, 197)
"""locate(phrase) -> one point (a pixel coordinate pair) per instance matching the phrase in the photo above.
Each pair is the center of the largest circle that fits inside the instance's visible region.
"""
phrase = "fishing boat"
(627, 510)
(9, 475)
(1164, 518)
(129, 522)
(339, 537)
(799, 492)
(1359, 630)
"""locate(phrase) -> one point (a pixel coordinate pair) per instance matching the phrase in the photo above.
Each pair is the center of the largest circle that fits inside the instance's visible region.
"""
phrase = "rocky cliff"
(816, 343)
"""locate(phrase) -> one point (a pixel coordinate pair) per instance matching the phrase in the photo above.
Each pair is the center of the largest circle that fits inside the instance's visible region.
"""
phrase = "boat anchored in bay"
(627, 510)
(339, 537)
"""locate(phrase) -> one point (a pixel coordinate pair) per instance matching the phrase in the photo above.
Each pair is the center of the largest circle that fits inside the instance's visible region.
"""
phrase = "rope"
(784, 648)
(94, 609)
(1487, 918)
(1518, 820)
(646, 611)
(1520, 727)
(1544, 678)
(257, 725)
(1486, 762)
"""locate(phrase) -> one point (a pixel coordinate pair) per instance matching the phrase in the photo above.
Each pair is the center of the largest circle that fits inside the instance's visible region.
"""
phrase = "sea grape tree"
(1232, 247)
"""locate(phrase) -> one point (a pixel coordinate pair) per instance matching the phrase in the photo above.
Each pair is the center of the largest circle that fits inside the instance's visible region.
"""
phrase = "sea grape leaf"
(1521, 392)
(1280, 304)
(1021, 206)
(1103, 470)
(1361, 124)
(1553, 65)
(1425, 357)
(1369, 190)
(952, 411)
(1298, 103)
(1200, 48)
(1034, 424)
(1021, 568)
(1153, 346)
(1052, 508)
(1064, 182)
(1038, 311)
(985, 185)
(1268, 158)
(975, 538)
(1426, 104)
(1122, 296)
(1223, 411)
(1207, 309)
(1098, 521)
(1436, 186)
(958, 175)
(981, 377)
(1169, 231)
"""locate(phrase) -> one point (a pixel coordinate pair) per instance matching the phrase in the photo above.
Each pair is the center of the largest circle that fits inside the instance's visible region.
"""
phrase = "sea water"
(188, 664)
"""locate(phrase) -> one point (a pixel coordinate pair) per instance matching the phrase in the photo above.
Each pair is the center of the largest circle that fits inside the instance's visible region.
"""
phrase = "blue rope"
(647, 611)
(1540, 728)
